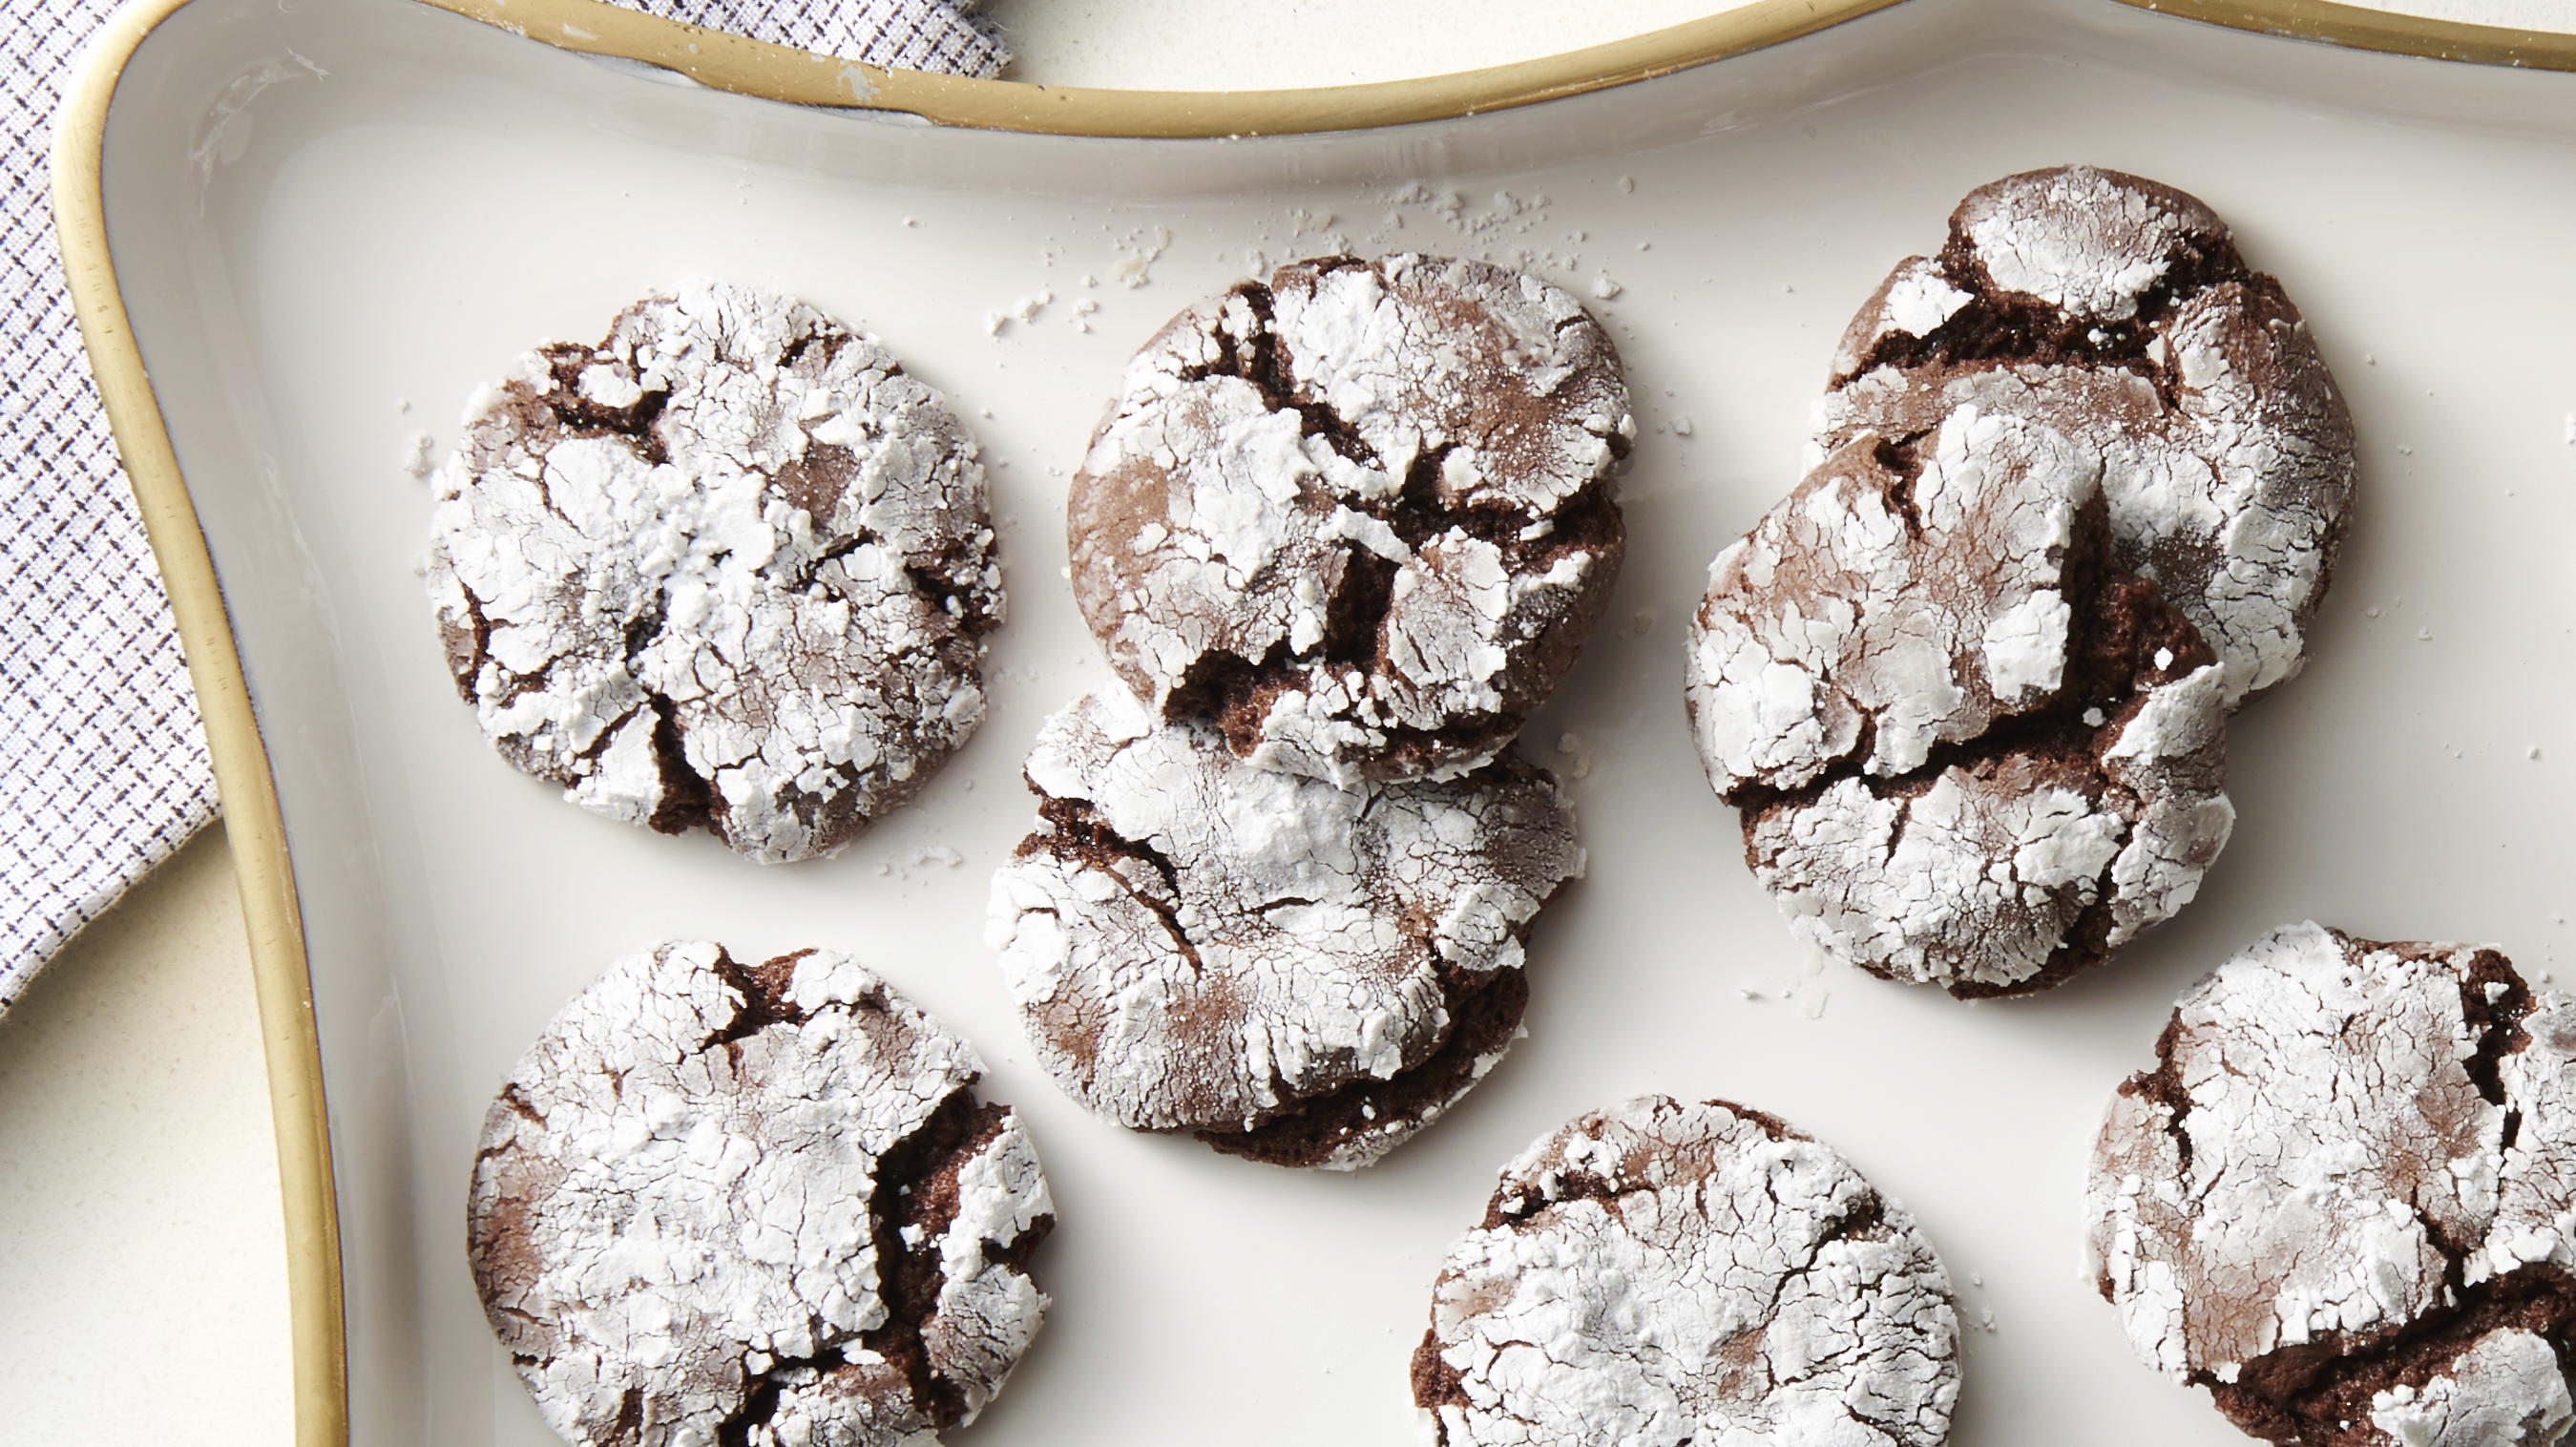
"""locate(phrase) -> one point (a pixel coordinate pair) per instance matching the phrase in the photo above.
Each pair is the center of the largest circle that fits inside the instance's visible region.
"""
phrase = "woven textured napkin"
(103, 768)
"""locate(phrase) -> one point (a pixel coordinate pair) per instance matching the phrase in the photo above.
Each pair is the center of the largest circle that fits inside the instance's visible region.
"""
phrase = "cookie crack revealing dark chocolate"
(820, 1233)
(1669, 1272)
(1484, 1013)
(1358, 517)
(1292, 971)
(1922, 667)
(2391, 1270)
(2119, 311)
(728, 569)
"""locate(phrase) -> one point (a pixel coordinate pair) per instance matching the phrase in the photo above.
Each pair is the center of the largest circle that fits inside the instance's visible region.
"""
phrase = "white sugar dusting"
(728, 566)
(1664, 1272)
(1208, 945)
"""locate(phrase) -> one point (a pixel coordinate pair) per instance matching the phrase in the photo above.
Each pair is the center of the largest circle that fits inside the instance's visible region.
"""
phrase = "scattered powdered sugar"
(715, 1199)
(2353, 1155)
(2117, 311)
(1669, 1273)
(1299, 972)
(728, 567)
(2506, 1388)
(1359, 516)
(1847, 674)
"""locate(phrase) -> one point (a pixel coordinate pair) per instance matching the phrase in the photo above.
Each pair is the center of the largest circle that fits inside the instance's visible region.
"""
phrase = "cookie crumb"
(1681, 426)
(1604, 288)
(1811, 999)
(415, 458)
(1645, 620)
(1627, 184)
(403, 404)
(1135, 269)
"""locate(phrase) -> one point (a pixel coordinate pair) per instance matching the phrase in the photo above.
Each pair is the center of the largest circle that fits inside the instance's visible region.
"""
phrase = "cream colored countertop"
(141, 1255)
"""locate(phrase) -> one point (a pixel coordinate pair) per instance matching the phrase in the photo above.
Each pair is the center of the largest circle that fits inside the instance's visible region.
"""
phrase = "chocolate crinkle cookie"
(1666, 1274)
(1358, 517)
(2345, 1198)
(1968, 749)
(2118, 312)
(726, 568)
(756, 1205)
(1295, 972)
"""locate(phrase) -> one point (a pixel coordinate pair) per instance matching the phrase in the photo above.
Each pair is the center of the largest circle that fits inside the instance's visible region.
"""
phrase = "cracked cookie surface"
(1662, 1273)
(1967, 750)
(2344, 1198)
(1294, 972)
(1359, 517)
(2117, 310)
(757, 1205)
(727, 568)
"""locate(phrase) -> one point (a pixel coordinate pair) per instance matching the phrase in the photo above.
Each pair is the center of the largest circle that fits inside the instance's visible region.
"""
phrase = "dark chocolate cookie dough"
(2342, 1199)
(1358, 517)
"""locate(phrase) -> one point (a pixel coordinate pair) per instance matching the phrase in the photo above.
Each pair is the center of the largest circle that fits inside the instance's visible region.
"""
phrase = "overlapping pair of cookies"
(2079, 485)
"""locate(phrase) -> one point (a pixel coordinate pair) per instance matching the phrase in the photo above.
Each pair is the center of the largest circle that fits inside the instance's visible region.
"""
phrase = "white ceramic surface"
(318, 210)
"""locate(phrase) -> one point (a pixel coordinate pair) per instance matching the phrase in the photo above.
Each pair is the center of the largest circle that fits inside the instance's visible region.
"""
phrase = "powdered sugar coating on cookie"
(717, 1203)
(1360, 516)
(728, 567)
(2117, 311)
(1864, 621)
(1663, 1273)
(2342, 1199)
(1967, 754)
(1299, 973)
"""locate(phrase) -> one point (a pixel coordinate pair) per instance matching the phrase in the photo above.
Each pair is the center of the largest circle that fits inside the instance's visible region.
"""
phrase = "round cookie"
(720, 1203)
(1668, 1273)
(2344, 1198)
(2117, 311)
(1297, 973)
(726, 568)
(1360, 516)
(1967, 750)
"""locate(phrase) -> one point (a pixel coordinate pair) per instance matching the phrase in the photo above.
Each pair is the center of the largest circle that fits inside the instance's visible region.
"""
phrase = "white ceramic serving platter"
(317, 209)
